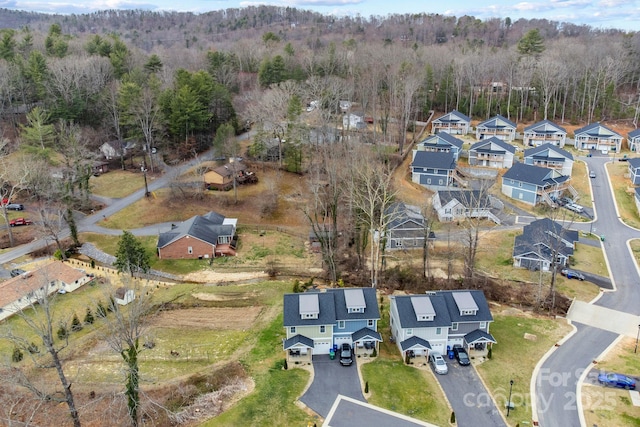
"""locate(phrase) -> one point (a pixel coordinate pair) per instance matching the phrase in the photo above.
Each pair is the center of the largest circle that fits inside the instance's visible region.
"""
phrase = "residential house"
(533, 184)
(21, 291)
(221, 178)
(633, 138)
(595, 136)
(433, 170)
(634, 170)
(115, 149)
(540, 242)
(550, 156)
(441, 143)
(205, 236)
(454, 123)
(498, 126)
(353, 121)
(436, 321)
(98, 168)
(124, 296)
(406, 229)
(318, 322)
(544, 132)
(457, 205)
(492, 152)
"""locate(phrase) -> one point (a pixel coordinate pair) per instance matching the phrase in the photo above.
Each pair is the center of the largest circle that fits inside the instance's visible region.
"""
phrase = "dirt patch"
(209, 276)
(208, 318)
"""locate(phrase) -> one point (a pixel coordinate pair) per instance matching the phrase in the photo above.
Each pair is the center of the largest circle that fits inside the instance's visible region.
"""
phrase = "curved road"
(556, 383)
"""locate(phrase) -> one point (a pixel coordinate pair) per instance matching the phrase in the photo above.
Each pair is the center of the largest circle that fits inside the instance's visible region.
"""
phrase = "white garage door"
(340, 340)
(321, 347)
(438, 347)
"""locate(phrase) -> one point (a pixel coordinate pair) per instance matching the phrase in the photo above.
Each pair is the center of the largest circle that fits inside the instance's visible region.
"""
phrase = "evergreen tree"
(88, 318)
(75, 324)
(131, 257)
(531, 44)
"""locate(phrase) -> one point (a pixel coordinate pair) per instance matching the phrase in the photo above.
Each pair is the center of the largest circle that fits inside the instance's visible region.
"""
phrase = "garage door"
(321, 347)
(340, 340)
(439, 347)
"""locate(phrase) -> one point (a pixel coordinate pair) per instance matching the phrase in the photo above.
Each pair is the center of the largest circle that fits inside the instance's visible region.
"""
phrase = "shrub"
(17, 355)
(33, 348)
(366, 387)
(62, 332)
(75, 324)
(453, 417)
(489, 355)
(286, 365)
(88, 318)
(296, 287)
(374, 353)
(100, 310)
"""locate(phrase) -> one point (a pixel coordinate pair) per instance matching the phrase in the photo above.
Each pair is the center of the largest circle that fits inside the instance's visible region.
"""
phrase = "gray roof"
(453, 117)
(537, 151)
(370, 312)
(497, 122)
(541, 238)
(482, 315)
(409, 319)
(479, 335)
(468, 198)
(635, 162)
(414, 342)
(366, 333)
(298, 339)
(200, 227)
(484, 146)
(597, 130)
(634, 133)
(545, 127)
(400, 213)
(536, 175)
(442, 140)
(437, 160)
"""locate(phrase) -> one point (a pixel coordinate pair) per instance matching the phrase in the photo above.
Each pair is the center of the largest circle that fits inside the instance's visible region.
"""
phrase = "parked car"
(438, 363)
(617, 380)
(461, 355)
(574, 207)
(572, 274)
(16, 272)
(592, 174)
(345, 354)
(20, 221)
(15, 207)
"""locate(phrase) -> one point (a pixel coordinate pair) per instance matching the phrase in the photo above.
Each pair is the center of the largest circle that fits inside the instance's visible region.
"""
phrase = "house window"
(409, 331)
(483, 325)
(293, 329)
(438, 331)
(428, 180)
(454, 326)
(520, 184)
(370, 323)
(322, 329)
(520, 196)
(340, 324)
(398, 243)
(190, 249)
(440, 182)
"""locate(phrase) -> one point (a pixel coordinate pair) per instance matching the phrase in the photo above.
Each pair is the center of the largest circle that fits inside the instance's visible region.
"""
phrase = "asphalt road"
(557, 380)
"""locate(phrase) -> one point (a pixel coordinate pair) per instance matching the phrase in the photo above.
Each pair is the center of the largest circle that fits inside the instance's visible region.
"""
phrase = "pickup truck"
(20, 221)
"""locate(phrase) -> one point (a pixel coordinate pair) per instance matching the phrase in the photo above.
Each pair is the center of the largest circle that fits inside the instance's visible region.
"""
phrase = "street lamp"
(637, 336)
(146, 187)
(509, 401)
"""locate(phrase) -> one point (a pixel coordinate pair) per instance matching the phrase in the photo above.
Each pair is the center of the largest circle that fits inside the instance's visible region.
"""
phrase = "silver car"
(438, 363)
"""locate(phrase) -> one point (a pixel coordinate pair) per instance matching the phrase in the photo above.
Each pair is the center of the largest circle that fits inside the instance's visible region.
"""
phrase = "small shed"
(124, 296)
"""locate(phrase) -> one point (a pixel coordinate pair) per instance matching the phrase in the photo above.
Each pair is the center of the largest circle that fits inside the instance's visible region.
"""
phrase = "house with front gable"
(319, 321)
(441, 143)
(498, 126)
(199, 237)
(454, 123)
(436, 321)
(634, 170)
(533, 184)
(433, 170)
(492, 152)
(550, 156)
(544, 132)
(457, 205)
(633, 138)
(540, 242)
(406, 228)
(596, 136)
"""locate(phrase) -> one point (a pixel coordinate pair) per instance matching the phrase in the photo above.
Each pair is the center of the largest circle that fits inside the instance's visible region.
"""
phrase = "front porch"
(478, 343)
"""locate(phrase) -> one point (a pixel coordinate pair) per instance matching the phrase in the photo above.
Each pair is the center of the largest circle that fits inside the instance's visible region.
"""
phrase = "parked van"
(574, 207)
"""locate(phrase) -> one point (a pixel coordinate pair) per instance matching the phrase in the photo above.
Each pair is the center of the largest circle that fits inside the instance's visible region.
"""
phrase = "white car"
(438, 363)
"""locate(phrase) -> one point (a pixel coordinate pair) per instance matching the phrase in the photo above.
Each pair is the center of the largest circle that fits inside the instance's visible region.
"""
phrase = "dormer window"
(354, 300)
(466, 304)
(355, 310)
(423, 308)
(309, 306)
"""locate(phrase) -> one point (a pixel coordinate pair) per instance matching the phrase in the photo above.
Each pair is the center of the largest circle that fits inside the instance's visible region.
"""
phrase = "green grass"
(512, 346)
(624, 197)
(116, 183)
(412, 392)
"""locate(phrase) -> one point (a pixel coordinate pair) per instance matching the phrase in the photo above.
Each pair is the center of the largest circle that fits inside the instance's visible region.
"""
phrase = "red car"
(20, 221)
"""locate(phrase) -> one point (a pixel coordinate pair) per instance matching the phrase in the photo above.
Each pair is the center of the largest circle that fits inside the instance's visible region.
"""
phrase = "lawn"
(116, 183)
(509, 331)
(608, 406)
(624, 193)
(635, 249)
(580, 182)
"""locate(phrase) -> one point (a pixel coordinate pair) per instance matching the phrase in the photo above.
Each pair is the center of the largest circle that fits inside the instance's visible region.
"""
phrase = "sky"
(602, 14)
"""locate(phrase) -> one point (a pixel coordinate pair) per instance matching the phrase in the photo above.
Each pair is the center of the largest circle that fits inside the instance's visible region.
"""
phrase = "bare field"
(208, 318)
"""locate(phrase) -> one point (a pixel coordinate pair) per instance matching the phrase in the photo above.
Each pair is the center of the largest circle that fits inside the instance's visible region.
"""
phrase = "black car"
(461, 355)
(15, 207)
(16, 272)
(345, 355)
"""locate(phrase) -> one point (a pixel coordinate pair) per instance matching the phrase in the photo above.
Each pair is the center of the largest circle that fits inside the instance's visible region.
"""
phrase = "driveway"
(469, 398)
(329, 380)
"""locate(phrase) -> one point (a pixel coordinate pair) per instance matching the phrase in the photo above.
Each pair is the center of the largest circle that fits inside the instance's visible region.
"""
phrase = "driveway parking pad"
(347, 412)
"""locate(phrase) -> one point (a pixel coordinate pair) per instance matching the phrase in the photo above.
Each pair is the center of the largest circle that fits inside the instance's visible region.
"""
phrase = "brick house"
(199, 237)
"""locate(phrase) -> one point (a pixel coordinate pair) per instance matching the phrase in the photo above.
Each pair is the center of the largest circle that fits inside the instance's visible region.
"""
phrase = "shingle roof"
(408, 318)
(535, 238)
(428, 159)
(333, 307)
(366, 333)
(635, 162)
(454, 116)
(468, 198)
(485, 146)
(414, 342)
(298, 339)
(596, 129)
(401, 213)
(536, 151)
(206, 228)
(483, 314)
(497, 122)
(370, 312)
(545, 127)
(479, 335)
(229, 168)
(442, 139)
(634, 133)
(534, 175)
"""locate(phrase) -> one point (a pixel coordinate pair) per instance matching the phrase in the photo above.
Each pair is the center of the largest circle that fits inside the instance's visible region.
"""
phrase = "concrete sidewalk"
(604, 318)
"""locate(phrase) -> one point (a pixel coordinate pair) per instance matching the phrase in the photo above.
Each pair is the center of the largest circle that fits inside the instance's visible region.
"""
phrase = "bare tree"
(13, 179)
(40, 319)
